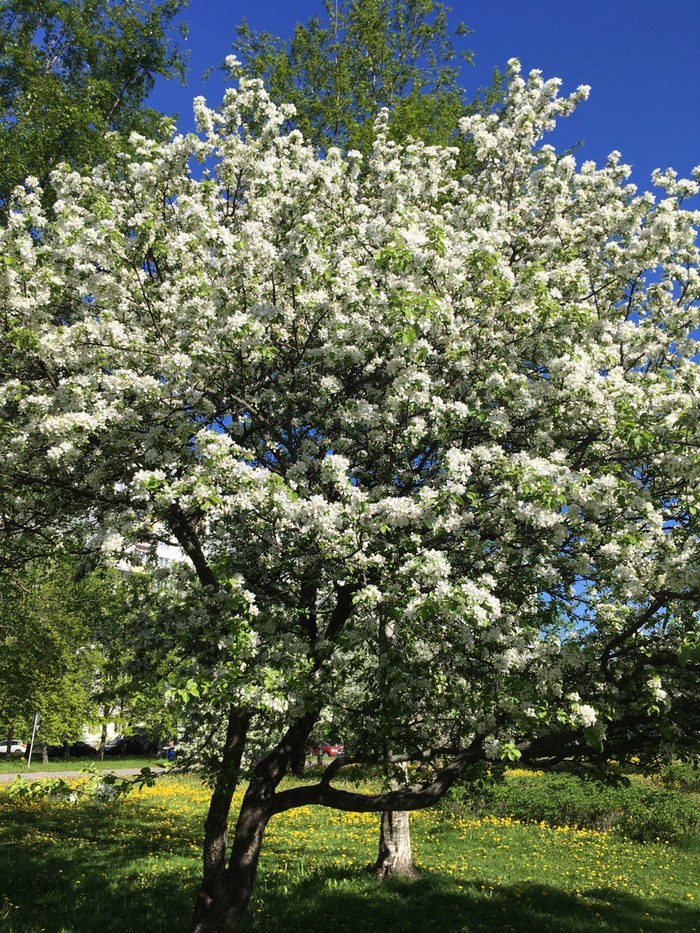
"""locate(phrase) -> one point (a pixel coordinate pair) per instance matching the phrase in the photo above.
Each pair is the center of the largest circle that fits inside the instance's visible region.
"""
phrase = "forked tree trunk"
(395, 859)
(227, 888)
(214, 904)
(223, 911)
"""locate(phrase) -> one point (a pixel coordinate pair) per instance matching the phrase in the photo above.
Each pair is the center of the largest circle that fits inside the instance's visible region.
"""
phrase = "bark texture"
(213, 907)
(223, 912)
(395, 859)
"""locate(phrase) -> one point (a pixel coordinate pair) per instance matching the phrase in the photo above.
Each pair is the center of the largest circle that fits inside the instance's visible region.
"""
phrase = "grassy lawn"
(19, 765)
(134, 866)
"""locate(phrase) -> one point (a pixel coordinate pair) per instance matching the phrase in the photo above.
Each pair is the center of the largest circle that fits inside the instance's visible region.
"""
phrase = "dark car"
(82, 750)
(122, 745)
(75, 750)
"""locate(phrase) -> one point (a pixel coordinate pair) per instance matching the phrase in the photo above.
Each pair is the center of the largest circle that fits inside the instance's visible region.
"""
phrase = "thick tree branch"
(659, 602)
(183, 530)
(412, 797)
(216, 825)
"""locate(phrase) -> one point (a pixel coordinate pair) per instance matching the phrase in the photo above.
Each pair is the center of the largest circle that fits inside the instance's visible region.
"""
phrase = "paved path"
(38, 775)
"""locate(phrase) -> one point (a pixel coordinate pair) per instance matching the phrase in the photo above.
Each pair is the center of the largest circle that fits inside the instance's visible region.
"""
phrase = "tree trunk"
(299, 762)
(395, 859)
(103, 742)
(8, 750)
(227, 889)
(44, 754)
(224, 912)
(213, 908)
(66, 751)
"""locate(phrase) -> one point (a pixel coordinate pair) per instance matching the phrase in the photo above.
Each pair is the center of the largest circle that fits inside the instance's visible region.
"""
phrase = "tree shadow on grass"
(345, 903)
(85, 870)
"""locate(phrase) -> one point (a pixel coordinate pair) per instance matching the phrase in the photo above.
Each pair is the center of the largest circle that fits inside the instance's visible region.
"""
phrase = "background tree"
(49, 659)
(117, 697)
(70, 654)
(466, 402)
(365, 55)
(71, 71)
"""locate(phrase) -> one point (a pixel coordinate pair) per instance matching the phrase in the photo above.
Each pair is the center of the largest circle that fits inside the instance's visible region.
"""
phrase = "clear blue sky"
(641, 58)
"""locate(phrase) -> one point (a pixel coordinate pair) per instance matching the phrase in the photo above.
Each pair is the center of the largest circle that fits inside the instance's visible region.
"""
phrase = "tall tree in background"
(48, 656)
(73, 70)
(366, 55)
(67, 652)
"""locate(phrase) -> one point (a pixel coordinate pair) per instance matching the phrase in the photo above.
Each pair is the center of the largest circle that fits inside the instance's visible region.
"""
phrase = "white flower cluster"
(464, 401)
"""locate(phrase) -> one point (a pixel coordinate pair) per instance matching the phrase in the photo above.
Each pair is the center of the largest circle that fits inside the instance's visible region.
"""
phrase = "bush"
(682, 776)
(638, 812)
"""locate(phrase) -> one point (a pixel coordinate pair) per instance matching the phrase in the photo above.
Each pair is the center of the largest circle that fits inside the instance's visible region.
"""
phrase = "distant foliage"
(340, 70)
(73, 70)
(682, 775)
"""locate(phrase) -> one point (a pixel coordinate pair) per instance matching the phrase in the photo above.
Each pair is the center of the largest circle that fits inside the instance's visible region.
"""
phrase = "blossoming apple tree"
(460, 410)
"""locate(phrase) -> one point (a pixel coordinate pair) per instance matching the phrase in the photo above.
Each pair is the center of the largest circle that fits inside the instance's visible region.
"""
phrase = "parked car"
(332, 749)
(122, 745)
(75, 750)
(82, 750)
(54, 751)
(17, 749)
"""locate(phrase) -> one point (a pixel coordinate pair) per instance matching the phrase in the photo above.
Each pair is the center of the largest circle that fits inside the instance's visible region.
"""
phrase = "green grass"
(134, 866)
(19, 765)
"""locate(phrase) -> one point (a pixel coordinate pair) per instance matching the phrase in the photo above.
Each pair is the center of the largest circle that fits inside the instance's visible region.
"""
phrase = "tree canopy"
(365, 55)
(463, 402)
(71, 71)
(340, 72)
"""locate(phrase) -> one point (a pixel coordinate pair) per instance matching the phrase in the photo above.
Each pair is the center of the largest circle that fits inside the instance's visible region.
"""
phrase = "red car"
(327, 748)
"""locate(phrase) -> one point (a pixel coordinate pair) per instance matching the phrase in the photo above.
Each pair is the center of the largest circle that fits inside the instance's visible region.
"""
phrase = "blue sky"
(641, 58)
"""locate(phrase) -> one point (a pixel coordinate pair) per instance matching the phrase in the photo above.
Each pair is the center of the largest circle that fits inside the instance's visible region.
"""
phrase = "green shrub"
(682, 776)
(637, 811)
